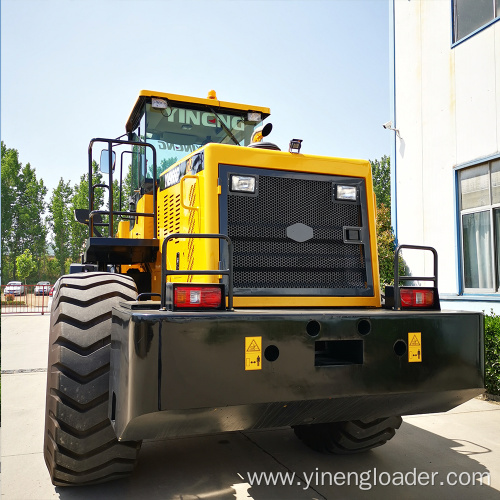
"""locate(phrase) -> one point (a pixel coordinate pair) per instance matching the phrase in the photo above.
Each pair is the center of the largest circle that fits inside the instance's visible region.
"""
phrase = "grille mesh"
(264, 257)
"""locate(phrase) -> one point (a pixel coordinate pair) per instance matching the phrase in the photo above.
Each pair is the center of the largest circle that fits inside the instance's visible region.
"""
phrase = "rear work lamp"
(243, 183)
(295, 145)
(348, 193)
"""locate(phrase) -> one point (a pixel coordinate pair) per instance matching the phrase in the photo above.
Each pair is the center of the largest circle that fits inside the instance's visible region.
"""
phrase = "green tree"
(80, 199)
(381, 174)
(116, 205)
(385, 245)
(49, 269)
(22, 211)
(60, 218)
(127, 189)
(25, 265)
(10, 175)
(492, 353)
(32, 196)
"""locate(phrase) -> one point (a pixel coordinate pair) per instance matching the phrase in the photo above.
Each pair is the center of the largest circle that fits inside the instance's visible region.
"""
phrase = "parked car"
(14, 288)
(42, 288)
(51, 292)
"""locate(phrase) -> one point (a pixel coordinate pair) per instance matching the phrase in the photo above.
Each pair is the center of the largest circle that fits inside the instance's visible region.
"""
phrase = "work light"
(243, 183)
(348, 193)
(295, 145)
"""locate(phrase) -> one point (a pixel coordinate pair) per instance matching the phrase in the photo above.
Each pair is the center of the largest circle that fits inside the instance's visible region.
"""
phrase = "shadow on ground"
(217, 467)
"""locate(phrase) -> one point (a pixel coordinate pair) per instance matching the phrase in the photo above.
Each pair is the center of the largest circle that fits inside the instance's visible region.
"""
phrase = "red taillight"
(202, 297)
(417, 297)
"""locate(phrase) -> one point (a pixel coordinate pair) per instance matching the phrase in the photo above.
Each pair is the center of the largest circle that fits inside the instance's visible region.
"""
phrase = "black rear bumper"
(175, 374)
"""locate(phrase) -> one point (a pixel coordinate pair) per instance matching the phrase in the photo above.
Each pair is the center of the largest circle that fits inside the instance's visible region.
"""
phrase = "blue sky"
(72, 69)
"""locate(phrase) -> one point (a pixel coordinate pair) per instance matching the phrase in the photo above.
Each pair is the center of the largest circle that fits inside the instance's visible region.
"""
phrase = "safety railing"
(20, 299)
(398, 278)
(206, 272)
(95, 215)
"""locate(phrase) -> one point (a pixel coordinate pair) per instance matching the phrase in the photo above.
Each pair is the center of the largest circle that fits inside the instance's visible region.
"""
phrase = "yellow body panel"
(192, 206)
(123, 229)
(144, 226)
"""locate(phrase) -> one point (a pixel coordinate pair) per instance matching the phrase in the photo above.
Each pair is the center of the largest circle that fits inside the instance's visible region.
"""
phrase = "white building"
(446, 153)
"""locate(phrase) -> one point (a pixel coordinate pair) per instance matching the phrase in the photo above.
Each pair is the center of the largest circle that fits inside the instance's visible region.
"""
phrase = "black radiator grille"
(264, 257)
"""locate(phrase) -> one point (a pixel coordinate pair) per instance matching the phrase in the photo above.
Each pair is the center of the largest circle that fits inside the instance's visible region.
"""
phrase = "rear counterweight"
(261, 369)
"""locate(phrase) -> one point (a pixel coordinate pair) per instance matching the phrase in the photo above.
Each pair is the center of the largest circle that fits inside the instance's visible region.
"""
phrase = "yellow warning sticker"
(415, 347)
(253, 353)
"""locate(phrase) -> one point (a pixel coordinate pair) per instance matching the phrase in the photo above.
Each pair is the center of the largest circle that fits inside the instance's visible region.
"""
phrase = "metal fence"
(19, 299)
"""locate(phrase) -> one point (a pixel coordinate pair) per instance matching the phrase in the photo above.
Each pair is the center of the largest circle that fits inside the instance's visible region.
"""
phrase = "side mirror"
(104, 163)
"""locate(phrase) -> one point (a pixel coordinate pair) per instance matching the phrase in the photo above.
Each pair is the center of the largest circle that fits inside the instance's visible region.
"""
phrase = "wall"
(447, 109)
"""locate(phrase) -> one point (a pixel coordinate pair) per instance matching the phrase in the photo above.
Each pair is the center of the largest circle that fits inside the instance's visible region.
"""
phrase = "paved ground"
(451, 446)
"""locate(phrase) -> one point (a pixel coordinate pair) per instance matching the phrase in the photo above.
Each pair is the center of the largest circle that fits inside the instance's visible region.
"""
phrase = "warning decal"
(415, 341)
(415, 347)
(253, 346)
(253, 353)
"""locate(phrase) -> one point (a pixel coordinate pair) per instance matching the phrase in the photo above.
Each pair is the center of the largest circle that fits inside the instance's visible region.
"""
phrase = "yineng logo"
(192, 117)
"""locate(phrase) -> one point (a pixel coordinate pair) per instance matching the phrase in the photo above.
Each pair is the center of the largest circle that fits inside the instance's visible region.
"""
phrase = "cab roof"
(181, 101)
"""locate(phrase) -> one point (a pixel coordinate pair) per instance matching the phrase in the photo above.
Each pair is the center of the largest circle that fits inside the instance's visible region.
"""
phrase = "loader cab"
(178, 125)
(161, 130)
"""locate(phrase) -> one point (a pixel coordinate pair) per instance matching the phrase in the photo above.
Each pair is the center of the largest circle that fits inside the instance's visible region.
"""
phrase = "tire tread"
(343, 438)
(80, 445)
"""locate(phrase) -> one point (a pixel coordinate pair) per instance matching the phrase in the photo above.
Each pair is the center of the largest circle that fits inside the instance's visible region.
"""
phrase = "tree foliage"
(80, 199)
(492, 353)
(127, 189)
(23, 206)
(60, 217)
(381, 174)
(23, 225)
(385, 245)
(25, 265)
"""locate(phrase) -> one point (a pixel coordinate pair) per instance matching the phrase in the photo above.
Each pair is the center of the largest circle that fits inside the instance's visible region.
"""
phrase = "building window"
(480, 224)
(470, 15)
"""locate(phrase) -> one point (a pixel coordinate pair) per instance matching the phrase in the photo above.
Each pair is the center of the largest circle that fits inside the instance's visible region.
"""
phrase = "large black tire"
(80, 445)
(344, 438)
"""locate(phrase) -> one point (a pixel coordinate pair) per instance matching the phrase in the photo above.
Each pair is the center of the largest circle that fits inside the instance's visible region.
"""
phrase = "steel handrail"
(111, 212)
(226, 272)
(398, 278)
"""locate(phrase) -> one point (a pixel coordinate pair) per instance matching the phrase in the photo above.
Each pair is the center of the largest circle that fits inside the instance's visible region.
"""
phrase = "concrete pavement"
(447, 448)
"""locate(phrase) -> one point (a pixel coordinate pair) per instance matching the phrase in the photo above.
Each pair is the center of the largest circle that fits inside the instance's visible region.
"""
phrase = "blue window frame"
(479, 215)
(472, 16)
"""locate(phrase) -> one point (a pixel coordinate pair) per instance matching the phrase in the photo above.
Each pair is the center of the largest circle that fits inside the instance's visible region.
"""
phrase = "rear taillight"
(198, 297)
(417, 297)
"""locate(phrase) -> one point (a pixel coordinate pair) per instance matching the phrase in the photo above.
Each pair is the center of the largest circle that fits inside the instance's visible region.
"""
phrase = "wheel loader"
(232, 285)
